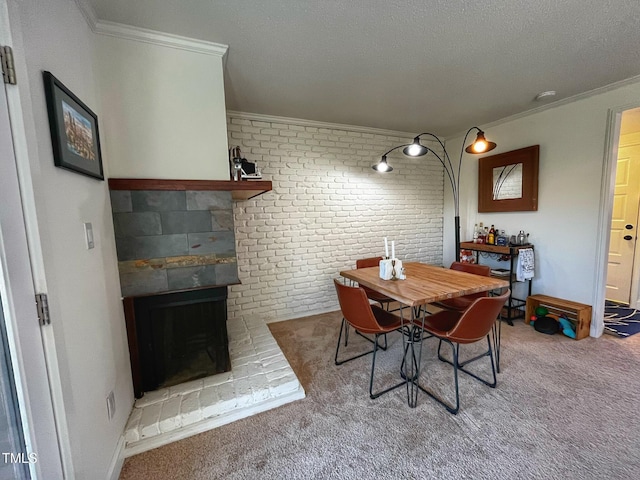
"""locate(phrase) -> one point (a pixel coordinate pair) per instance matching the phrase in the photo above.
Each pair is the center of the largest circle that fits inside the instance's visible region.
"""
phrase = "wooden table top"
(424, 283)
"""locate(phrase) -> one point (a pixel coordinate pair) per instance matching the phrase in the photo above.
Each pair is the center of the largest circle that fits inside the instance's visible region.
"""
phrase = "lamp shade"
(415, 149)
(480, 145)
(382, 166)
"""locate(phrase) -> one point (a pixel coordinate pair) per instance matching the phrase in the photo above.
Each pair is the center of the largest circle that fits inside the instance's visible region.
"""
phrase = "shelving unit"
(515, 306)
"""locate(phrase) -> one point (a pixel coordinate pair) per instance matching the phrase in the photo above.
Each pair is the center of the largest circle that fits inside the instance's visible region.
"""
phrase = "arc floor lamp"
(416, 149)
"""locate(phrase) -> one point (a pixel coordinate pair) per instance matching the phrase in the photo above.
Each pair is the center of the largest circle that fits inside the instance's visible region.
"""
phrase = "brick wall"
(327, 209)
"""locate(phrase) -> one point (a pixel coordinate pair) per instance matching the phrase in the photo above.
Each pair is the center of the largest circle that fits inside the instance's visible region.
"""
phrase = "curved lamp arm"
(453, 178)
(382, 166)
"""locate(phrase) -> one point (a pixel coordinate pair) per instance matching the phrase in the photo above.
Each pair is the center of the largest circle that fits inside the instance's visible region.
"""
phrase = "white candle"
(393, 249)
(386, 248)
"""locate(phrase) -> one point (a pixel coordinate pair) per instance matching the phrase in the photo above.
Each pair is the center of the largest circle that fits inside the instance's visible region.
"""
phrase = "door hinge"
(8, 67)
(42, 305)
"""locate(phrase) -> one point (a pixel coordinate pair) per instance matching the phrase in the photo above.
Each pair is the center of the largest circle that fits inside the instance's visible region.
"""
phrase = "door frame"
(607, 189)
(31, 346)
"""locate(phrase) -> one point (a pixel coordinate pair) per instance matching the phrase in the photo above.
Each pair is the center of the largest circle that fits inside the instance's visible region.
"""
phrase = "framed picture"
(74, 130)
(508, 182)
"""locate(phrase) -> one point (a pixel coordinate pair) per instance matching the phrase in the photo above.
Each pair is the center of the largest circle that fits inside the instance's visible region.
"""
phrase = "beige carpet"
(563, 409)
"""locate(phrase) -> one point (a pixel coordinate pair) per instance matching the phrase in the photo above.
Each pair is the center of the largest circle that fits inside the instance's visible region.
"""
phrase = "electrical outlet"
(111, 405)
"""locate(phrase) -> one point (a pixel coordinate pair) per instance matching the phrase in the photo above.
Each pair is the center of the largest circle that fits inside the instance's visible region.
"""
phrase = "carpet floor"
(559, 411)
(621, 320)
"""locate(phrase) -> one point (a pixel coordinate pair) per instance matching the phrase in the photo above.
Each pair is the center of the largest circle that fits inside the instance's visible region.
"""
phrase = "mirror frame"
(528, 156)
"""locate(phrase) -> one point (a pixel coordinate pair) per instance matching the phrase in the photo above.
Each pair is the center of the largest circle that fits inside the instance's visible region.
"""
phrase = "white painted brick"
(216, 380)
(153, 397)
(170, 418)
(185, 388)
(284, 384)
(190, 411)
(243, 392)
(132, 433)
(148, 425)
(228, 400)
(209, 402)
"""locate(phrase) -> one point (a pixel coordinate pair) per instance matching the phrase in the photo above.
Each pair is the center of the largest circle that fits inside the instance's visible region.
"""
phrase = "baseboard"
(117, 461)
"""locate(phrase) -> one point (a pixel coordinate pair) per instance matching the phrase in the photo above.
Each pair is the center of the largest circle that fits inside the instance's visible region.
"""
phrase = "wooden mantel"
(242, 190)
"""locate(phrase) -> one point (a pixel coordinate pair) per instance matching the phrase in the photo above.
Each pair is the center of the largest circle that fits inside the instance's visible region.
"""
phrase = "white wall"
(83, 285)
(327, 209)
(564, 230)
(164, 107)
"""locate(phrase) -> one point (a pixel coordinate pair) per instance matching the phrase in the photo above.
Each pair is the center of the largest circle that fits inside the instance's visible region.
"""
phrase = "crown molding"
(143, 35)
(559, 103)
(88, 12)
(313, 123)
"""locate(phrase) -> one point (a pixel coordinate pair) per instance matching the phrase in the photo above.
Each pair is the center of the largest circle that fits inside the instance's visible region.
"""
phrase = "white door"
(24, 337)
(624, 220)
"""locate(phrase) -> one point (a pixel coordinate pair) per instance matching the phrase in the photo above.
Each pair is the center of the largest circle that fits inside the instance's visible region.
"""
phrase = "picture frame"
(508, 182)
(74, 130)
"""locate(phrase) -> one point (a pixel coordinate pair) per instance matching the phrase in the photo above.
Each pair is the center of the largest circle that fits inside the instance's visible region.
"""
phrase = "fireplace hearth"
(177, 337)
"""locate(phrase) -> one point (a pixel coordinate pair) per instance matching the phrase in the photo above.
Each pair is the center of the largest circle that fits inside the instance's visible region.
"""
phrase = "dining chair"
(464, 327)
(378, 297)
(365, 318)
(462, 303)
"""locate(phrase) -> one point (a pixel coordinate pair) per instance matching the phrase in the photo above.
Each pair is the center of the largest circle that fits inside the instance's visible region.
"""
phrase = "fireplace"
(177, 337)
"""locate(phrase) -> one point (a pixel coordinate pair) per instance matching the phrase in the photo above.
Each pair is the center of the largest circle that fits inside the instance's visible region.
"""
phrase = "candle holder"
(393, 270)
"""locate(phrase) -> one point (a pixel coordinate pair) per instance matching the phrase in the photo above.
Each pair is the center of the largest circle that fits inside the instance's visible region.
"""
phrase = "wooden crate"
(577, 313)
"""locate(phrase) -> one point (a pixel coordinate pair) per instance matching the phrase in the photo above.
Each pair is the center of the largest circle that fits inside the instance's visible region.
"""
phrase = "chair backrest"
(356, 308)
(476, 321)
(474, 268)
(368, 262)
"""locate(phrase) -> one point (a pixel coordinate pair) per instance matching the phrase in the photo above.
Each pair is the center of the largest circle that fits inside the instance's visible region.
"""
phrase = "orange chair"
(378, 297)
(462, 303)
(455, 328)
(367, 319)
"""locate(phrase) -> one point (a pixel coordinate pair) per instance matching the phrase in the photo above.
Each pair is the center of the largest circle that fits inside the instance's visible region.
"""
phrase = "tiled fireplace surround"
(171, 240)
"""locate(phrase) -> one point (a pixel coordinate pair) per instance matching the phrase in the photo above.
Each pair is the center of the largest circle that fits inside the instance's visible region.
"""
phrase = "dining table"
(424, 284)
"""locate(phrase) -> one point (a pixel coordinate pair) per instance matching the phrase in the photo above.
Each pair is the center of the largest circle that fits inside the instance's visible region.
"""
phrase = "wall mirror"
(508, 182)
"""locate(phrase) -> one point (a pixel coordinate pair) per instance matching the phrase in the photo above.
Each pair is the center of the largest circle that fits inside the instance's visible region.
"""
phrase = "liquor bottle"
(491, 239)
(475, 233)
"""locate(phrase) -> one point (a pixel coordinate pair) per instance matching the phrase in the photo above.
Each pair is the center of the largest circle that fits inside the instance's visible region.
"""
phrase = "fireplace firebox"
(177, 337)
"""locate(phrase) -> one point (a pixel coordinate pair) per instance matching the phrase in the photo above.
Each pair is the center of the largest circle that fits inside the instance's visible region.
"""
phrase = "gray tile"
(227, 273)
(157, 200)
(207, 200)
(137, 224)
(154, 246)
(221, 243)
(186, 222)
(191, 277)
(145, 281)
(120, 201)
(221, 219)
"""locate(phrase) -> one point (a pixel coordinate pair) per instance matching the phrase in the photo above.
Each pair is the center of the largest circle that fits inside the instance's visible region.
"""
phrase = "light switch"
(88, 234)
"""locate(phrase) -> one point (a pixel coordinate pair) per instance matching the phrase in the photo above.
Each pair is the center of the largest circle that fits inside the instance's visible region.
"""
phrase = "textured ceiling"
(414, 65)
